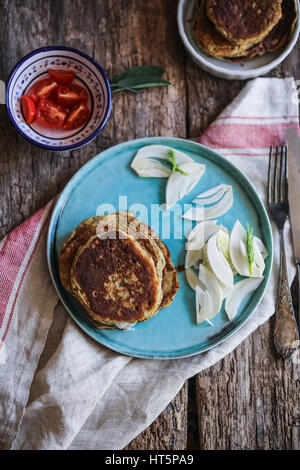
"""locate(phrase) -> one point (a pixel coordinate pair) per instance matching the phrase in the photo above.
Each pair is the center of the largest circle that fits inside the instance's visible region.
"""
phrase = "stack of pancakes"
(238, 30)
(118, 269)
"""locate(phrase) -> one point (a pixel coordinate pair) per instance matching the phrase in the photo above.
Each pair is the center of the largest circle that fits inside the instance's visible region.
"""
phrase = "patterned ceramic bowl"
(89, 74)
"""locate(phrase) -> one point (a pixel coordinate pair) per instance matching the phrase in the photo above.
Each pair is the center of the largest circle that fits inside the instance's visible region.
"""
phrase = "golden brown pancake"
(87, 229)
(170, 284)
(209, 39)
(116, 280)
(254, 51)
(76, 239)
(281, 33)
(277, 38)
(244, 22)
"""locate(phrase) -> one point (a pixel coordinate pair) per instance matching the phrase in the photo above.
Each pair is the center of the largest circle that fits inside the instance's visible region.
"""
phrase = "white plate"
(231, 71)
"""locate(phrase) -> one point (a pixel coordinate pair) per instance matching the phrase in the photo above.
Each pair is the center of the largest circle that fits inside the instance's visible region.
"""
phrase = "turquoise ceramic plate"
(173, 332)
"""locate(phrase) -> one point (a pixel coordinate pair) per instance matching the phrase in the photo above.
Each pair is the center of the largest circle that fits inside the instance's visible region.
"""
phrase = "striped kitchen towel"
(61, 390)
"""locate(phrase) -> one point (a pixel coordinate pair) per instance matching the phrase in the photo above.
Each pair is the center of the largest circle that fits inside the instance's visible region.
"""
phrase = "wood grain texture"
(250, 399)
(169, 430)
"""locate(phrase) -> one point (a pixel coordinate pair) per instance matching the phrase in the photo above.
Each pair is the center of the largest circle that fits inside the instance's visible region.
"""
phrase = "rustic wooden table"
(249, 400)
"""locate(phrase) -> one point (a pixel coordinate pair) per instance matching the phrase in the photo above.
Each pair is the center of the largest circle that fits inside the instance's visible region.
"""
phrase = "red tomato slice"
(77, 117)
(61, 76)
(50, 114)
(71, 95)
(43, 89)
(28, 108)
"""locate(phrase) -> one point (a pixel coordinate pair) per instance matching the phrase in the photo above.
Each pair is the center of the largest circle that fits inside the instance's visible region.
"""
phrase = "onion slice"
(237, 249)
(217, 261)
(122, 325)
(263, 250)
(238, 252)
(194, 213)
(201, 233)
(212, 298)
(238, 294)
(193, 280)
(212, 195)
(223, 194)
(193, 258)
(150, 168)
(204, 304)
(179, 185)
(145, 165)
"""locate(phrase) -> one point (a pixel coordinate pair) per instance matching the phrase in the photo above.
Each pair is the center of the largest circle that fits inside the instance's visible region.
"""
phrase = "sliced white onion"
(259, 264)
(159, 152)
(203, 304)
(125, 326)
(261, 247)
(201, 233)
(193, 280)
(212, 299)
(215, 210)
(179, 185)
(196, 238)
(214, 190)
(225, 290)
(237, 249)
(238, 253)
(238, 294)
(212, 195)
(194, 213)
(201, 227)
(209, 322)
(149, 167)
(195, 245)
(218, 263)
(146, 165)
(221, 207)
(193, 258)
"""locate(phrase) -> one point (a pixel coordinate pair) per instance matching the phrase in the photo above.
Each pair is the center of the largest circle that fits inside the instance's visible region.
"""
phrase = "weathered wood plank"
(119, 35)
(169, 430)
(250, 400)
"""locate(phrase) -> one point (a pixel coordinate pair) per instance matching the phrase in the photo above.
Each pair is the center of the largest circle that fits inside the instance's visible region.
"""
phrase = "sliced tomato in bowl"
(43, 89)
(51, 114)
(61, 76)
(71, 95)
(77, 117)
(28, 108)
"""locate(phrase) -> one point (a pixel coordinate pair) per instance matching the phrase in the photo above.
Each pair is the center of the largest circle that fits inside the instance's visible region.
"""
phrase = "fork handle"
(285, 325)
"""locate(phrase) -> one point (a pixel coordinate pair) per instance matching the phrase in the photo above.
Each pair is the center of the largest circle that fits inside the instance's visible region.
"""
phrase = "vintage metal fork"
(285, 325)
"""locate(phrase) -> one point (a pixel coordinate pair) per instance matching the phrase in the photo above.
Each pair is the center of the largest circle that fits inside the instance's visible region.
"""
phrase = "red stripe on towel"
(12, 255)
(34, 226)
(261, 118)
(245, 135)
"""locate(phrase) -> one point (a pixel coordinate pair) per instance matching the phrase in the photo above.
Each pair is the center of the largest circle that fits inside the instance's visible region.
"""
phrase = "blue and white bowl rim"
(86, 56)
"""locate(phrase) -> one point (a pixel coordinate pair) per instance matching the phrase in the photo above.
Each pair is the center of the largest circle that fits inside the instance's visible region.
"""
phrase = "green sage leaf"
(137, 79)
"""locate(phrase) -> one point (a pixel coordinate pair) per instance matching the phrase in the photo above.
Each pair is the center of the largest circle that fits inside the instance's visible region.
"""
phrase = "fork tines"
(277, 176)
